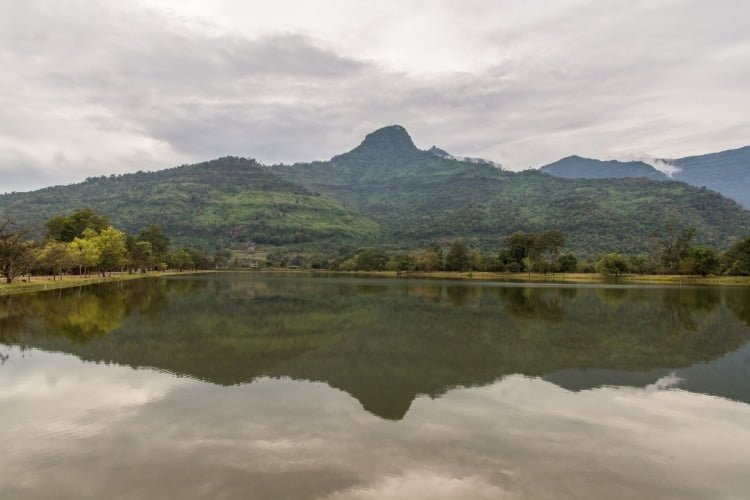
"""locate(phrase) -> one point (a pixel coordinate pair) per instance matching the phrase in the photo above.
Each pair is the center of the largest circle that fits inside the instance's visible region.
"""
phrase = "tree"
(16, 252)
(700, 260)
(674, 244)
(736, 260)
(370, 260)
(159, 241)
(180, 260)
(458, 257)
(429, 260)
(111, 245)
(55, 257)
(141, 256)
(612, 265)
(568, 263)
(546, 248)
(67, 228)
(85, 253)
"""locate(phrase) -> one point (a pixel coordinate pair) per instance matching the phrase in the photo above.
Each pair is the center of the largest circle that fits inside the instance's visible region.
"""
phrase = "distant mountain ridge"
(576, 167)
(388, 193)
(727, 172)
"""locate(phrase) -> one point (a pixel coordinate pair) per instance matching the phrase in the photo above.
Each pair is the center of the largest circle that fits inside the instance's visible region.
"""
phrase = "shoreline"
(44, 283)
(561, 278)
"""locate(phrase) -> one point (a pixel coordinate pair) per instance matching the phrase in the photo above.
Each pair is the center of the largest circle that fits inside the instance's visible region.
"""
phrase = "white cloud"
(150, 84)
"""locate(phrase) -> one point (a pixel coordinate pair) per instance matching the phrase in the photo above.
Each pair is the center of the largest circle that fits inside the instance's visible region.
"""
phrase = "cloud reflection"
(94, 430)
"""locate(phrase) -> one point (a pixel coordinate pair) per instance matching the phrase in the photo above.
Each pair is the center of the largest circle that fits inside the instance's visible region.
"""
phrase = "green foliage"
(55, 257)
(157, 240)
(458, 257)
(700, 260)
(737, 259)
(612, 265)
(66, 228)
(385, 193)
(16, 252)
(568, 263)
(111, 245)
(217, 203)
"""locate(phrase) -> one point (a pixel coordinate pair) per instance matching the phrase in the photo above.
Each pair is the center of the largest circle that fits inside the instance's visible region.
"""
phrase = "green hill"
(419, 197)
(387, 192)
(209, 204)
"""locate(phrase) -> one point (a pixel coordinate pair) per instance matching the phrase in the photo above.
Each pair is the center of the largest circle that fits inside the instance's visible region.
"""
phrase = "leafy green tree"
(370, 260)
(16, 252)
(736, 260)
(673, 245)
(700, 260)
(180, 260)
(458, 257)
(112, 251)
(142, 256)
(612, 265)
(429, 260)
(67, 228)
(639, 264)
(55, 257)
(568, 263)
(85, 253)
(158, 240)
(546, 248)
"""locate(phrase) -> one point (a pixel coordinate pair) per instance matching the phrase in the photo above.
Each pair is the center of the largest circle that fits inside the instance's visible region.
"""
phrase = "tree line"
(85, 242)
(543, 252)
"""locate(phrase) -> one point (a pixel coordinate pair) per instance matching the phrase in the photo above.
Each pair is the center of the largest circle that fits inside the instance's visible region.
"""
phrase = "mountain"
(209, 204)
(386, 192)
(727, 172)
(576, 167)
(419, 197)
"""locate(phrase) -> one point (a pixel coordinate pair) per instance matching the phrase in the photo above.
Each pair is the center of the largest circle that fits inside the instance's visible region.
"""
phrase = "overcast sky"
(100, 87)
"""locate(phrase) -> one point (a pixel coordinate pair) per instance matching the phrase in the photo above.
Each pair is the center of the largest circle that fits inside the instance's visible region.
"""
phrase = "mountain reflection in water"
(253, 385)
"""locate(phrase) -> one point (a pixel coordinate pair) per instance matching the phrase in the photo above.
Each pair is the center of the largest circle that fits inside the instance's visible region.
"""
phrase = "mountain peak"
(393, 138)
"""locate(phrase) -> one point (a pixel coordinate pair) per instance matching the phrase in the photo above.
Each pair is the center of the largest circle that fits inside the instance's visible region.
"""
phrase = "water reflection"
(303, 387)
(386, 341)
(97, 431)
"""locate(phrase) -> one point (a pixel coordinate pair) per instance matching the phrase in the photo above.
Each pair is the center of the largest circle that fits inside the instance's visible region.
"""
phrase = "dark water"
(272, 386)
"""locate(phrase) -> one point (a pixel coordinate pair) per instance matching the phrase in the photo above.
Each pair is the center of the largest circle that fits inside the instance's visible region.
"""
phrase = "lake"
(261, 385)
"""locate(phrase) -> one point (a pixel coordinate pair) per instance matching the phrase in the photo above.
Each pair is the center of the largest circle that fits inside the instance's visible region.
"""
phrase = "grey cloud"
(123, 88)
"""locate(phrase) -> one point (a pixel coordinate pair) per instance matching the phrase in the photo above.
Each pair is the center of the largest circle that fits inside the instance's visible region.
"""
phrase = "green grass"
(39, 284)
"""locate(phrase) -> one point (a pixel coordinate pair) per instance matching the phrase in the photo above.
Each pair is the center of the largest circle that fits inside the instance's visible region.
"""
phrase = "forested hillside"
(419, 198)
(208, 205)
(388, 193)
(576, 167)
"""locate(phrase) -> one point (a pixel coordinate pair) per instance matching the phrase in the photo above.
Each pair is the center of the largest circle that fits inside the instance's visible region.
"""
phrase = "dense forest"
(388, 195)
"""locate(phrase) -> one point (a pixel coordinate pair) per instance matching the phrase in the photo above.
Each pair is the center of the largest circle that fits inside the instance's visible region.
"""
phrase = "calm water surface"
(273, 386)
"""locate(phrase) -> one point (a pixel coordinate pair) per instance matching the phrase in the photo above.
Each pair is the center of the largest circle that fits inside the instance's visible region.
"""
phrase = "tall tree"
(111, 245)
(458, 257)
(55, 257)
(158, 240)
(673, 244)
(16, 252)
(737, 258)
(85, 252)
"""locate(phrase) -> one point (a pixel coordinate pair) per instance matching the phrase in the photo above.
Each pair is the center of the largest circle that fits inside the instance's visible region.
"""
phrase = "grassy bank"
(42, 283)
(567, 278)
